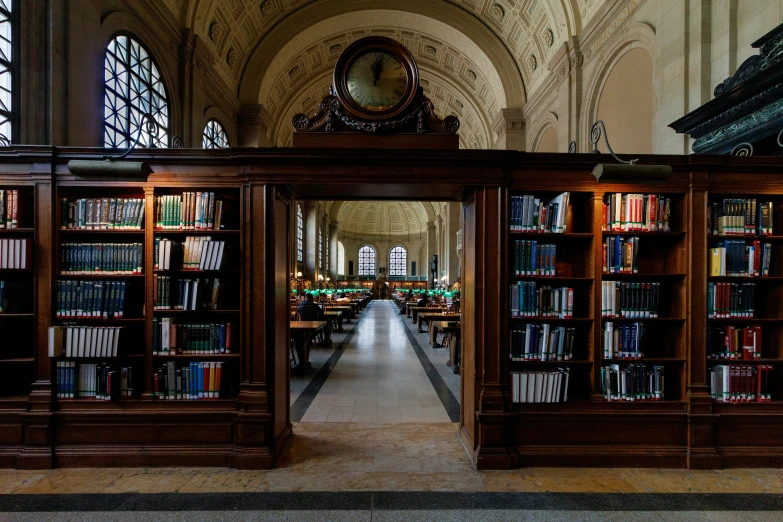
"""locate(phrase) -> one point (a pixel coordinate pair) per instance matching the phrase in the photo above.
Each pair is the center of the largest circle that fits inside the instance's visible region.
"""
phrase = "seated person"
(309, 311)
(423, 301)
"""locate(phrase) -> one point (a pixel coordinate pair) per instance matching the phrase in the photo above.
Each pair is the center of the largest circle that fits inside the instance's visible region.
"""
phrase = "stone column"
(253, 127)
(452, 229)
(310, 242)
(509, 130)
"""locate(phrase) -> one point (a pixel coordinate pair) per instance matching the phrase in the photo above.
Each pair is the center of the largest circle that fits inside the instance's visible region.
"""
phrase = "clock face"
(376, 81)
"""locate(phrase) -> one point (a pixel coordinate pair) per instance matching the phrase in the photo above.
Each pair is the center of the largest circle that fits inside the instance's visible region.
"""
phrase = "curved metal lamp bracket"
(595, 137)
(152, 127)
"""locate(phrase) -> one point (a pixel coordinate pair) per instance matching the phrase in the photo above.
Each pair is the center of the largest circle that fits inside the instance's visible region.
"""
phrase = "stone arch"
(547, 120)
(165, 57)
(635, 35)
(301, 19)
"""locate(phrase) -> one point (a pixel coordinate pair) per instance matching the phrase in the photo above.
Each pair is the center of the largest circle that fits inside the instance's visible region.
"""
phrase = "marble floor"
(379, 376)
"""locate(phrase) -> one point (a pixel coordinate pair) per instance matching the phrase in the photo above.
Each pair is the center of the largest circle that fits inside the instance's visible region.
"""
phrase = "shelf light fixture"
(624, 171)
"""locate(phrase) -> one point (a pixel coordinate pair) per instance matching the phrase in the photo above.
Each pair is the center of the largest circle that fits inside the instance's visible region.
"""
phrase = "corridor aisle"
(378, 377)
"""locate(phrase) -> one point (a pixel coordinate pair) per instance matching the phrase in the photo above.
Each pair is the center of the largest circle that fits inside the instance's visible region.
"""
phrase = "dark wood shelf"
(16, 316)
(229, 271)
(746, 279)
(659, 320)
(18, 360)
(555, 320)
(16, 270)
(198, 355)
(651, 360)
(100, 276)
(96, 358)
(656, 277)
(662, 235)
(94, 231)
(196, 232)
(551, 235)
(22, 231)
(742, 361)
(551, 363)
(745, 320)
(556, 279)
(719, 237)
(92, 321)
(197, 312)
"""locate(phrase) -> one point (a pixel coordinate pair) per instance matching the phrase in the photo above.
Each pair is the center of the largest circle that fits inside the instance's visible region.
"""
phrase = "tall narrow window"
(398, 261)
(340, 258)
(214, 136)
(367, 261)
(326, 253)
(321, 248)
(299, 234)
(6, 69)
(133, 87)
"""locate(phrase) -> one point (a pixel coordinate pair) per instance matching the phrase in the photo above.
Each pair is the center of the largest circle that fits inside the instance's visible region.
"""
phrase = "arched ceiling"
(276, 51)
(380, 217)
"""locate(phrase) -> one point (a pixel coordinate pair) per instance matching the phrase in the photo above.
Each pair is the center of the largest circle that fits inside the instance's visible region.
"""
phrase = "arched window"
(367, 261)
(133, 87)
(340, 258)
(326, 252)
(6, 66)
(398, 261)
(214, 136)
(299, 234)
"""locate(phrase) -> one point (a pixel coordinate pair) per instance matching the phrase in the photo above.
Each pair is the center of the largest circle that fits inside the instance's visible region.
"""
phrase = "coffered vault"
(476, 56)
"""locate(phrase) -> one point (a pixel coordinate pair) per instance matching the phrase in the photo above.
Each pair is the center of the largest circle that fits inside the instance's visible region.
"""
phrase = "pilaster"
(253, 127)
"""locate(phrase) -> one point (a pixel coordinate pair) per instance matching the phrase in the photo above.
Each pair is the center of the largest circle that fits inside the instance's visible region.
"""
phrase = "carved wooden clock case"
(376, 101)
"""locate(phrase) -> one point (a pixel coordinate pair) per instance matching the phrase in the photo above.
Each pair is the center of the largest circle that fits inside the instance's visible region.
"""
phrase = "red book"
(228, 337)
(748, 346)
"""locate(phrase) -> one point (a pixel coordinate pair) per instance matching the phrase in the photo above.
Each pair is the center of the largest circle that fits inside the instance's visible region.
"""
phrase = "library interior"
(365, 259)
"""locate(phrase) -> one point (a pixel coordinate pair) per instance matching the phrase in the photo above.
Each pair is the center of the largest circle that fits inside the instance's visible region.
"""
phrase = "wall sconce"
(625, 171)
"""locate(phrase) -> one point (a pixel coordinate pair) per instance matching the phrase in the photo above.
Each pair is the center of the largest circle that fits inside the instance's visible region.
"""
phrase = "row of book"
(188, 381)
(102, 214)
(170, 338)
(99, 381)
(632, 382)
(740, 217)
(102, 258)
(630, 299)
(190, 295)
(195, 253)
(84, 341)
(16, 254)
(635, 212)
(742, 383)
(12, 295)
(623, 341)
(736, 258)
(529, 299)
(620, 255)
(10, 206)
(532, 258)
(189, 211)
(542, 342)
(90, 299)
(542, 386)
(730, 300)
(734, 343)
(531, 214)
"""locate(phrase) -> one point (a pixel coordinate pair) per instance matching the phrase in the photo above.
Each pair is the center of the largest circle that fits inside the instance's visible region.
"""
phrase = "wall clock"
(376, 78)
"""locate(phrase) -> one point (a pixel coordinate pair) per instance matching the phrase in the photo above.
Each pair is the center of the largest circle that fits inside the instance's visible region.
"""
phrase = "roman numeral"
(355, 91)
(397, 93)
(400, 80)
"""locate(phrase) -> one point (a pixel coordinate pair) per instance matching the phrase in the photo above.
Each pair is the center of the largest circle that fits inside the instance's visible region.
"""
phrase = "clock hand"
(376, 68)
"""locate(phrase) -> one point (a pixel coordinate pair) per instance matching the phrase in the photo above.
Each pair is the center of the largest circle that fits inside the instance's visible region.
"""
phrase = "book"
(540, 386)
(532, 258)
(740, 217)
(531, 214)
(542, 342)
(101, 299)
(102, 213)
(741, 383)
(189, 211)
(730, 300)
(530, 299)
(188, 381)
(734, 342)
(635, 212)
(630, 299)
(90, 341)
(740, 258)
(620, 255)
(16, 254)
(98, 381)
(102, 258)
(187, 294)
(623, 341)
(633, 382)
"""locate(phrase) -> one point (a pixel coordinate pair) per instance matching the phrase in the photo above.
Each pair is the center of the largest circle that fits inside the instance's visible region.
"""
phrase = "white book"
(116, 343)
(522, 394)
(93, 336)
(164, 337)
(194, 295)
(531, 387)
(165, 254)
(78, 340)
(219, 258)
(204, 258)
(109, 337)
(99, 335)
(186, 292)
(539, 385)
(3, 253)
